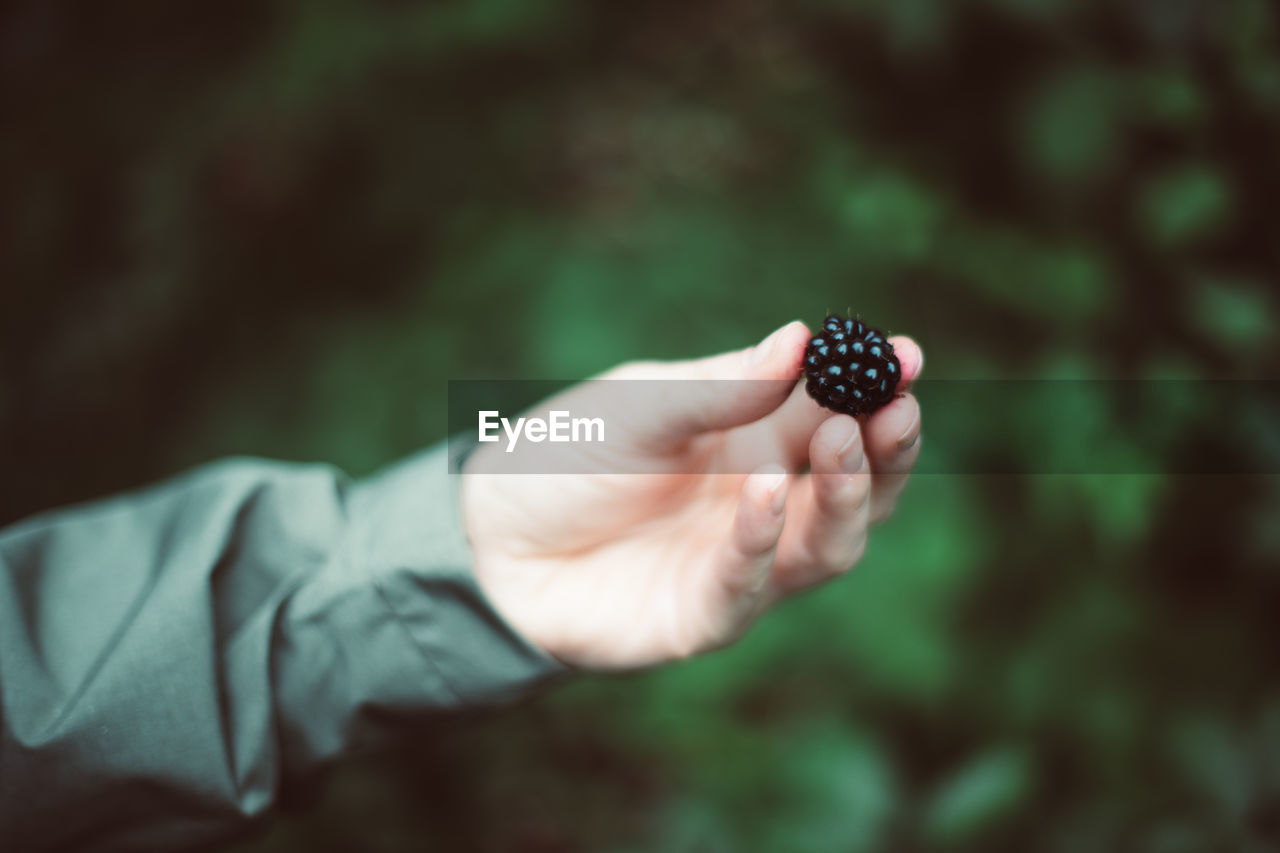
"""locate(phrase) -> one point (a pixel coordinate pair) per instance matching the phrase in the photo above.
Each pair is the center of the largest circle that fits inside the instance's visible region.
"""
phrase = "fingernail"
(761, 352)
(850, 453)
(910, 435)
(776, 482)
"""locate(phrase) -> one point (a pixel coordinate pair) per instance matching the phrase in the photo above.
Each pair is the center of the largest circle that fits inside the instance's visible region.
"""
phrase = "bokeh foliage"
(278, 228)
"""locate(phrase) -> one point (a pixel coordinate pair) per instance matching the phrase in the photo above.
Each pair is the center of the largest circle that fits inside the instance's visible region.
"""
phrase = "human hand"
(672, 537)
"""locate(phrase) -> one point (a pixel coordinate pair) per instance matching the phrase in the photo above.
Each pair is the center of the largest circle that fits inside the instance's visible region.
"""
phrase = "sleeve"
(168, 657)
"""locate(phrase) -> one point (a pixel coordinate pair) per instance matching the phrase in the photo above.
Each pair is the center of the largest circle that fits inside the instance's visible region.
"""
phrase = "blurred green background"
(279, 228)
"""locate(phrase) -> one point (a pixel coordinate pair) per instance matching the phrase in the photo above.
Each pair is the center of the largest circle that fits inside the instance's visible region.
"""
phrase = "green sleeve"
(167, 658)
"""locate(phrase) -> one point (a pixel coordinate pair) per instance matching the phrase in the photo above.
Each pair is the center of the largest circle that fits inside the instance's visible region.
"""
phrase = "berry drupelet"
(850, 367)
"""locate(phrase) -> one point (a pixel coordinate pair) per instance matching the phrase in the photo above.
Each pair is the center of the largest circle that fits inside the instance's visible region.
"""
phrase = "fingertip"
(782, 353)
(910, 357)
(759, 521)
(894, 429)
(797, 329)
(836, 446)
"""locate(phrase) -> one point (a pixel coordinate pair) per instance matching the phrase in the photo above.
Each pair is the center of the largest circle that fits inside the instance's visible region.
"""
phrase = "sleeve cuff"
(407, 533)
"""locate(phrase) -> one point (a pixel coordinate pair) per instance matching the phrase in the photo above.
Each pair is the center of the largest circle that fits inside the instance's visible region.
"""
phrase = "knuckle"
(841, 568)
(847, 494)
(862, 493)
(838, 558)
(835, 558)
(757, 544)
(883, 511)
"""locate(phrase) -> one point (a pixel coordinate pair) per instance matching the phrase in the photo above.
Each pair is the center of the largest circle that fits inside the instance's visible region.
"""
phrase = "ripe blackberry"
(850, 367)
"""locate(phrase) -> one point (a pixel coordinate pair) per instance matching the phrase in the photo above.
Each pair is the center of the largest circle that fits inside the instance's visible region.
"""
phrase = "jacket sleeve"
(167, 657)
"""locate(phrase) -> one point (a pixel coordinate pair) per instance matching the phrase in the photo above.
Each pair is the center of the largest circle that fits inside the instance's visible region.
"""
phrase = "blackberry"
(850, 367)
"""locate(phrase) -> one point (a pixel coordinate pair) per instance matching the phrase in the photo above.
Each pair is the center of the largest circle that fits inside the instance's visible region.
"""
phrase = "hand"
(608, 569)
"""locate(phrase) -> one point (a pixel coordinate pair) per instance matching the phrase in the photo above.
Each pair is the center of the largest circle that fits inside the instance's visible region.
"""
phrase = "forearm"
(166, 658)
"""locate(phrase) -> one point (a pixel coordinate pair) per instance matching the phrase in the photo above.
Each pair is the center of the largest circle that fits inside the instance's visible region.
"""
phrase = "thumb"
(718, 392)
